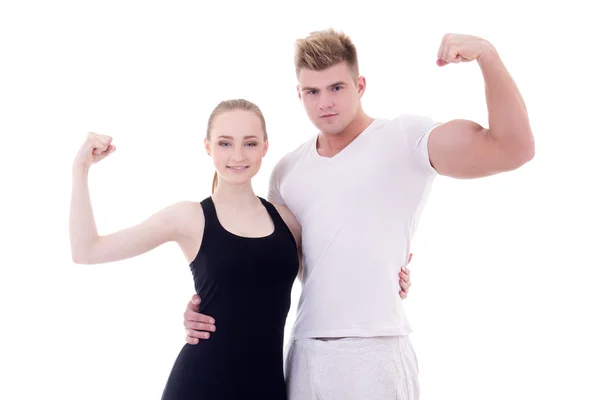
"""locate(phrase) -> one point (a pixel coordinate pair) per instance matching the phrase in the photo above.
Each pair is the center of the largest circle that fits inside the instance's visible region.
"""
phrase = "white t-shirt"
(359, 211)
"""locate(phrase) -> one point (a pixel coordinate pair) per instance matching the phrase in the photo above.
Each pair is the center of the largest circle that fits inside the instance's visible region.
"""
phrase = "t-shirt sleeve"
(274, 181)
(417, 129)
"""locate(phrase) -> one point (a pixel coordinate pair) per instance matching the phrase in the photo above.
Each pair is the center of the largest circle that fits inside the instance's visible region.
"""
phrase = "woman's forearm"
(82, 226)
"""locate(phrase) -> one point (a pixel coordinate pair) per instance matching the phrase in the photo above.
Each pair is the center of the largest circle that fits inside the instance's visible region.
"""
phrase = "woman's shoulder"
(185, 208)
(290, 220)
(188, 215)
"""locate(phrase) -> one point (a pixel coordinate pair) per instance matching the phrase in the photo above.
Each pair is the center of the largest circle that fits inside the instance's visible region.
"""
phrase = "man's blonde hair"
(323, 49)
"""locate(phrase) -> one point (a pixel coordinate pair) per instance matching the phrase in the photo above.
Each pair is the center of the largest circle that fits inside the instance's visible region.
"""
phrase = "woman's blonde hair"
(232, 105)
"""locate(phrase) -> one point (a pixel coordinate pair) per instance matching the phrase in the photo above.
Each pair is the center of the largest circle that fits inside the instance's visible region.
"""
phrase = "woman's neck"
(236, 196)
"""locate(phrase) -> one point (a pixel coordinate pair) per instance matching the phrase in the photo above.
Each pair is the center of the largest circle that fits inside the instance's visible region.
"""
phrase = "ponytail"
(215, 182)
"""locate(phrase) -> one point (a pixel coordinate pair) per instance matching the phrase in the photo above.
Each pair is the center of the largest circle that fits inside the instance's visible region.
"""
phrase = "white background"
(505, 272)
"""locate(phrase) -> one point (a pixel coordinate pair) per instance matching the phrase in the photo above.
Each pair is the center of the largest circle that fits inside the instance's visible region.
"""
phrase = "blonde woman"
(242, 251)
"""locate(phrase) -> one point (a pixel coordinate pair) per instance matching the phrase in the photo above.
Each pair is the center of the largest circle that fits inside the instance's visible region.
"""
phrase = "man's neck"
(328, 145)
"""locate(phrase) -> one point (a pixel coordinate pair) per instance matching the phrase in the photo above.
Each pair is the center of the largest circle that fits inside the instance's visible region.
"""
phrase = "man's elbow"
(519, 154)
(526, 153)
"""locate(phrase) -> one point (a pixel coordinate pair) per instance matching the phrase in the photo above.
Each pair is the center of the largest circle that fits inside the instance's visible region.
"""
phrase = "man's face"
(331, 97)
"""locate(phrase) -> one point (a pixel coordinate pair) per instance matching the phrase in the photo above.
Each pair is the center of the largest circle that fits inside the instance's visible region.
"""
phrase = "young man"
(358, 189)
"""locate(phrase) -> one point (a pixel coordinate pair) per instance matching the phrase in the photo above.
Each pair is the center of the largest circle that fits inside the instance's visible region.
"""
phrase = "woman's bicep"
(161, 227)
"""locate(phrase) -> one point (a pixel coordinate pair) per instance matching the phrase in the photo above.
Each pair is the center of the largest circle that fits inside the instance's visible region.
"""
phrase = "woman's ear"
(207, 146)
(266, 147)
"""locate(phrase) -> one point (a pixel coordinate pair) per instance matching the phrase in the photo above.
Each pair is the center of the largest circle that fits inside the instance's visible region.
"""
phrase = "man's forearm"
(507, 113)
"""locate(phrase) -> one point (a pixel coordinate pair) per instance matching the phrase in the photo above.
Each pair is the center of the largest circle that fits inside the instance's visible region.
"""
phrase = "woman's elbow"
(80, 256)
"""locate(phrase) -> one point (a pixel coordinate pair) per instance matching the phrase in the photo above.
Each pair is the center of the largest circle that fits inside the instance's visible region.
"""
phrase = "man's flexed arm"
(465, 149)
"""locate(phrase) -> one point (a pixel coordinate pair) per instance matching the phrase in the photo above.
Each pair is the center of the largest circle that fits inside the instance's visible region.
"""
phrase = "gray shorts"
(377, 368)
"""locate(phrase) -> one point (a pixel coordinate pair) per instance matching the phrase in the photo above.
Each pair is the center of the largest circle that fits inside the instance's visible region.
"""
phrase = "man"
(358, 189)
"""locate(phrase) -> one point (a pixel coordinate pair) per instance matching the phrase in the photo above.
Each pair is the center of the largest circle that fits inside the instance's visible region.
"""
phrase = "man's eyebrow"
(340, 83)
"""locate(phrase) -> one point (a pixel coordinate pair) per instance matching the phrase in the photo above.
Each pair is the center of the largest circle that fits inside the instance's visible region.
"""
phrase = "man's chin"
(330, 129)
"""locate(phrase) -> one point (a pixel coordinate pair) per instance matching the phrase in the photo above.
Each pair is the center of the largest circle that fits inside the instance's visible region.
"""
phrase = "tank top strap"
(211, 221)
(210, 214)
(278, 221)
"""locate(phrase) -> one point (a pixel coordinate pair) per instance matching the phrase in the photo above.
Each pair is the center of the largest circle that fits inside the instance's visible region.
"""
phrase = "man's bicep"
(464, 149)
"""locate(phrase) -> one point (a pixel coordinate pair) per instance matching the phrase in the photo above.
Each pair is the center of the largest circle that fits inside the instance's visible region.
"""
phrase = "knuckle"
(201, 326)
(190, 332)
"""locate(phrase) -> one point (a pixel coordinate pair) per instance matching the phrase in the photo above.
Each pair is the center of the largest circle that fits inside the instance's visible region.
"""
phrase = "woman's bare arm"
(87, 246)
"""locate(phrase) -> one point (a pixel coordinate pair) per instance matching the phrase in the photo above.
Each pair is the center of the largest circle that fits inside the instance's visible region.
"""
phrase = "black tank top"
(241, 279)
(245, 284)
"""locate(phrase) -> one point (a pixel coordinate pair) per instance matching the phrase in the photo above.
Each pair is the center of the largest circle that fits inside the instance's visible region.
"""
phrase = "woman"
(239, 246)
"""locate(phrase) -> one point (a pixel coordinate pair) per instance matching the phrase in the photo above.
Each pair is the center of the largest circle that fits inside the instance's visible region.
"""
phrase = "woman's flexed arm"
(87, 247)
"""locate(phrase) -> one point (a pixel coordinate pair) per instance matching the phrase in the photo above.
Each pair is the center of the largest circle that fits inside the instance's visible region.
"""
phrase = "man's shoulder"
(413, 127)
(299, 152)
(408, 121)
